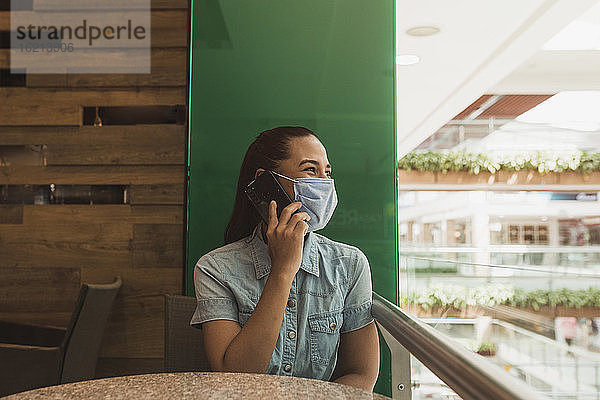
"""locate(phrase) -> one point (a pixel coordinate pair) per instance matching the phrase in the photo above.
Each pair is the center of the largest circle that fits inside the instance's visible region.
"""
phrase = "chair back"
(184, 347)
(81, 344)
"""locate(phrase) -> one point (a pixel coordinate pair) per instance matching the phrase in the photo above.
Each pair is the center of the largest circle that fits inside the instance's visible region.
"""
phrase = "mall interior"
(464, 141)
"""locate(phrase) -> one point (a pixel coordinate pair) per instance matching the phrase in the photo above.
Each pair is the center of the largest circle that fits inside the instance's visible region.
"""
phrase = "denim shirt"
(330, 294)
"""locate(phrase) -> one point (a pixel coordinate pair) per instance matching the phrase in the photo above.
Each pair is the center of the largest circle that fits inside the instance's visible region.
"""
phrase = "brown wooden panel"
(92, 175)
(113, 135)
(85, 97)
(136, 325)
(160, 76)
(108, 367)
(50, 214)
(157, 214)
(31, 114)
(48, 106)
(167, 4)
(169, 68)
(170, 28)
(146, 153)
(37, 289)
(4, 20)
(11, 214)
(71, 244)
(156, 194)
(4, 58)
(157, 245)
(67, 231)
(46, 80)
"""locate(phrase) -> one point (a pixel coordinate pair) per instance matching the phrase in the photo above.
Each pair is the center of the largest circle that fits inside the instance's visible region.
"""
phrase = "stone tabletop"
(199, 385)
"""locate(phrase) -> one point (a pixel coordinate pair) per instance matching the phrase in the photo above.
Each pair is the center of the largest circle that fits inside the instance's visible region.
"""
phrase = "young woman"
(279, 298)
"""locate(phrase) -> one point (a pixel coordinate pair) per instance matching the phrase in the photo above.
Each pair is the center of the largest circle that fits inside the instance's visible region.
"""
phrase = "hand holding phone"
(262, 190)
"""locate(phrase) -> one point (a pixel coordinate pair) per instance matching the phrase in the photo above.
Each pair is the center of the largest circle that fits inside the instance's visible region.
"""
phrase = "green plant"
(493, 161)
(450, 295)
(486, 347)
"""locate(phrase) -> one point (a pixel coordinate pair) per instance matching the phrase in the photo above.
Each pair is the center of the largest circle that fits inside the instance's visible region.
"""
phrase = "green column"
(326, 65)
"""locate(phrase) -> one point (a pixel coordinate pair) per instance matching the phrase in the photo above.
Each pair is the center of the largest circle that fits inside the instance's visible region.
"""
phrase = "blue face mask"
(318, 198)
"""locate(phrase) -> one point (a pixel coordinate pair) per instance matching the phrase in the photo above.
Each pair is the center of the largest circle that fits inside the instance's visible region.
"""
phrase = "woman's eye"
(311, 169)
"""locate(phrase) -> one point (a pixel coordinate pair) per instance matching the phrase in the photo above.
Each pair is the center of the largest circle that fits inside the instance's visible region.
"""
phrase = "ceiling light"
(407, 59)
(424, 30)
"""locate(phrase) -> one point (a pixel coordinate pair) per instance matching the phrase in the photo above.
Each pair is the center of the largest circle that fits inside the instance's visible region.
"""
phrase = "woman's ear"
(258, 172)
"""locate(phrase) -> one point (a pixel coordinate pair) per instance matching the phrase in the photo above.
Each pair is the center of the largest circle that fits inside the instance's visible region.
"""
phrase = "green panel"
(326, 65)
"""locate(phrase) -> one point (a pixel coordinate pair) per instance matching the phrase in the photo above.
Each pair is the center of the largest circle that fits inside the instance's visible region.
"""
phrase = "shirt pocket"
(325, 335)
(243, 315)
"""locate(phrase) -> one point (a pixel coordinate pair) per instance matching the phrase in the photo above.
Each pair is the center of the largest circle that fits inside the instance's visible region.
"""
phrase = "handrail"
(538, 268)
(469, 375)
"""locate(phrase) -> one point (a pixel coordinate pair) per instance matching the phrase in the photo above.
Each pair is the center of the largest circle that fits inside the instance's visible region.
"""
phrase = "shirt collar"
(262, 261)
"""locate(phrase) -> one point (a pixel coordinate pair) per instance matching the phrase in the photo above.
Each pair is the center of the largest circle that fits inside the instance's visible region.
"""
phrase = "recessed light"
(407, 59)
(423, 30)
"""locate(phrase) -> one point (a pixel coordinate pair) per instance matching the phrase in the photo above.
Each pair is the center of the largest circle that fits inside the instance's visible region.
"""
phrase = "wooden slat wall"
(47, 251)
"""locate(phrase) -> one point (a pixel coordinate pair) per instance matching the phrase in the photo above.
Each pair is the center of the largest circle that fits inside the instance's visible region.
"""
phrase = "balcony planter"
(501, 177)
(486, 349)
(442, 312)
(410, 177)
(562, 311)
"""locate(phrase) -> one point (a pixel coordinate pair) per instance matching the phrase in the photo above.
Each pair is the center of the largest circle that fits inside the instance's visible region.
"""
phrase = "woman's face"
(308, 159)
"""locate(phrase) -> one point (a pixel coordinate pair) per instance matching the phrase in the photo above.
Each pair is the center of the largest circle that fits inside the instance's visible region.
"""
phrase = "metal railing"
(469, 375)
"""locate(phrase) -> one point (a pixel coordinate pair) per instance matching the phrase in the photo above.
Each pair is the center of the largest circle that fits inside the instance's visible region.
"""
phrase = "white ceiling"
(482, 47)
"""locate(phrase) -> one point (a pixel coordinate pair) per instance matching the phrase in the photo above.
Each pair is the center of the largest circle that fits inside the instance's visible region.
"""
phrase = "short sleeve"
(357, 307)
(214, 299)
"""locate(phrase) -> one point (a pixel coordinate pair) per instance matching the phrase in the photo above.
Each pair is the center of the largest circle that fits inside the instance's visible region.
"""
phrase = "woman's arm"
(249, 349)
(358, 358)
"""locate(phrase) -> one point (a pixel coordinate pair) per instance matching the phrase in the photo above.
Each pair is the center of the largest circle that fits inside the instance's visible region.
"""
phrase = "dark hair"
(267, 151)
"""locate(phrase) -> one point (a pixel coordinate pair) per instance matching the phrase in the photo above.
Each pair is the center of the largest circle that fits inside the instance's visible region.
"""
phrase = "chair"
(34, 356)
(184, 347)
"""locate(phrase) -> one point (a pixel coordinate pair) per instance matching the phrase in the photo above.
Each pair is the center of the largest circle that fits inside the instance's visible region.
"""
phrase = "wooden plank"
(46, 80)
(93, 175)
(169, 4)
(19, 96)
(38, 289)
(160, 76)
(38, 114)
(157, 214)
(85, 234)
(146, 153)
(136, 325)
(51, 214)
(157, 245)
(156, 194)
(113, 135)
(169, 68)
(11, 214)
(4, 58)
(47, 106)
(4, 20)
(67, 244)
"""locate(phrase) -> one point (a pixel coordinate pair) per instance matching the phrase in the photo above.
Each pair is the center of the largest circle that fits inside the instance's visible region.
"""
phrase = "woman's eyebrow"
(312, 162)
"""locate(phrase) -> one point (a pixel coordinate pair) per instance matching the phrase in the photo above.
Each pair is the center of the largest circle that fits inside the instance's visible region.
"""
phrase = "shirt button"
(287, 368)
(332, 326)
(291, 303)
(291, 334)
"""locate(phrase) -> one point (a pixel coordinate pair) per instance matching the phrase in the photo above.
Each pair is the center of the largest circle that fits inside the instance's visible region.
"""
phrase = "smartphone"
(262, 190)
